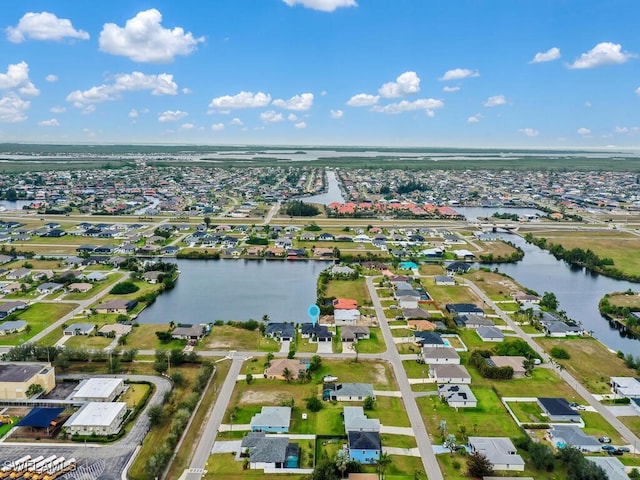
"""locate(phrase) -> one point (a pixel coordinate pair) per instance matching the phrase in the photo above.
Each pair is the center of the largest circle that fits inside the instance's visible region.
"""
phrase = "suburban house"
(272, 419)
(280, 331)
(625, 386)
(48, 287)
(428, 339)
(421, 325)
(347, 392)
(416, 314)
(189, 332)
(152, 276)
(116, 306)
(490, 334)
(458, 267)
(500, 451)
(344, 304)
(356, 421)
(408, 301)
(18, 274)
(515, 362)
(95, 276)
(445, 280)
(440, 356)
(451, 373)
(464, 309)
(315, 332)
(270, 452)
(12, 326)
(573, 436)
(10, 307)
(458, 395)
(276, 370)
(80, 287)
(364, 447)
(115, 328)
(558, 329)
(346, 316)
(79, 329)
(353, 333)
(613, 468)
(558, 410)
(475, 321)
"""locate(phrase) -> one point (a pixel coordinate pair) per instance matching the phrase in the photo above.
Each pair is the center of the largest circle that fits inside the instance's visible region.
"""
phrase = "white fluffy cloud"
(548, 56)
(51, 78)
(44, 26)
(144, 39)
(236, 122)
(17, 78)
(13, 109)
(216, 127)
(449, 89)
(133, 113)
(406, 84)
(292, 118)
(363, 100)
(172, 116)
(322, 5)
(187, 126)
(529, 132)
(297, 102)
(300, 125)
(336, 114)
(426, 104)
(161, 84)
(495, 101)
(584, 131)
(458, 74)
(271, 117)
(49, 123)
(605, 53)
(226, 103)
(474, 118)
(58, 109)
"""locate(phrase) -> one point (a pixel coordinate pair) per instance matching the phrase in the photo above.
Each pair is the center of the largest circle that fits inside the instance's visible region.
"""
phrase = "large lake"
(210, 290)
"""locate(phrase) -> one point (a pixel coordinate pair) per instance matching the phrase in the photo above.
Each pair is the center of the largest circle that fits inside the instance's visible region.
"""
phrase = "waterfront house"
(79, 329)
(280, 331)
(189, 332)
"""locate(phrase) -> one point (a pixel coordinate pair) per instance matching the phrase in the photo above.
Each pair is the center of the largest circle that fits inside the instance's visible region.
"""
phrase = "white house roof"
(98, 388)
(96, 414)
(627, 386)
(498, 450)
(355, 419)
(343, 315)
(457, 392)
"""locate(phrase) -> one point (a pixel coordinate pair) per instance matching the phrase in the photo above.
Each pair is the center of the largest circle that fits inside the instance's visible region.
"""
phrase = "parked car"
(604, 440)
(581, 407)
(615, 452)
(608, 448)
(624, 449)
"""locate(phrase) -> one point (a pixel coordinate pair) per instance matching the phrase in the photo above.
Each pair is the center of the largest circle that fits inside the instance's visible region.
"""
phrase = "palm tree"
(287, 374)
(384, 460)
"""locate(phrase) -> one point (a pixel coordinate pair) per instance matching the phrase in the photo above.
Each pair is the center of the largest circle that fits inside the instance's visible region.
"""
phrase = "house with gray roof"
(352, 333)
(188, 332)
(613, 467)
(474, 321)
(9, 307)
(573, 436)
(500, 451)
(269, 452)
(79, 329)
(558, 409)
(490, 334)
(272, 419)
(364, 447)
(347, 392)
(346, 316)
(444, 280)
(12, 326)
(280, 330)
(450, 373)
(356, 420)
(441, 356)
(48, 287)
(458, 395)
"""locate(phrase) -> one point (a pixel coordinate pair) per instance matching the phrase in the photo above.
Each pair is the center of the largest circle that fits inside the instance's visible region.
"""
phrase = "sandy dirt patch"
(251, 397)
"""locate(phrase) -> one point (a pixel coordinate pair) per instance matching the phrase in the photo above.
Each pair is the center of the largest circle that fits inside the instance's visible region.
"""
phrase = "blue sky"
(526, 73)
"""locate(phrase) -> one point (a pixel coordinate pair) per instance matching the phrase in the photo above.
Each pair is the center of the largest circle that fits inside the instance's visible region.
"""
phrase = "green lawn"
(226, 337)
(355, 289)
(375, 344)
(398, 441)
(304, 345)
(143, 337)
(90, 342)
(528, 412)
(97, 288)
(490, 418)
(38, 316)
(597, 426)
(134, 394)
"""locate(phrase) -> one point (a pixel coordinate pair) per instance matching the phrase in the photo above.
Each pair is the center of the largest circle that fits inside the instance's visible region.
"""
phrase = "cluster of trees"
(198, 255)
(479, 360)
(560, 353)
(517, 347)
(179, 414)
(124, 288)
(621, 312)
(174, 358)
(253, 240)
(298, 208)
(411, 186)
(629, 360)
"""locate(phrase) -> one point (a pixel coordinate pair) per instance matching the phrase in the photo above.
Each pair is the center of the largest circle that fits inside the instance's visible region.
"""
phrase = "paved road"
(208, 438)
(429, 461)
(622, 429)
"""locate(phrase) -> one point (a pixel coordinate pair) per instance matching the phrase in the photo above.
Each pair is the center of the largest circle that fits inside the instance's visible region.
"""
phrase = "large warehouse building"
(101, 418)
(15, 379)
(99, 390)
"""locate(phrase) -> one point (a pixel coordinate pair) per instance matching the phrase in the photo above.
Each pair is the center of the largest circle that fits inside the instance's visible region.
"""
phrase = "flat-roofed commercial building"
(101, 418)
(15, 378)
(99, 390)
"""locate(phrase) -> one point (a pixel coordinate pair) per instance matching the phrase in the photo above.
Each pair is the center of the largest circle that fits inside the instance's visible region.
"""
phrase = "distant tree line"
(298, 208)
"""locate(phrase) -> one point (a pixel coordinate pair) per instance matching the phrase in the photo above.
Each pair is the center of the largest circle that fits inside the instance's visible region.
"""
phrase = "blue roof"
(40, 417)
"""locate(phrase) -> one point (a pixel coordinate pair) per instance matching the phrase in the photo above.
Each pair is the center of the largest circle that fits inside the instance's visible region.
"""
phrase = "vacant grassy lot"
(374, 344)
(498, 249)
(528, 412)
(90, 342)
(591, 363)
(633, 423)
(134, 394)
(38, 316)
(143, 337)
(443, 294)
(625, 300)
(355, 289)
(623, 248)
(596, 425)
(431, 269)
(227, 337)
(495, 285)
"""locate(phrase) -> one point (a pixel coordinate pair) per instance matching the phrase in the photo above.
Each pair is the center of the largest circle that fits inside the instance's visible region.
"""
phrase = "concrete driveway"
(325, 347)
(284, 346)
